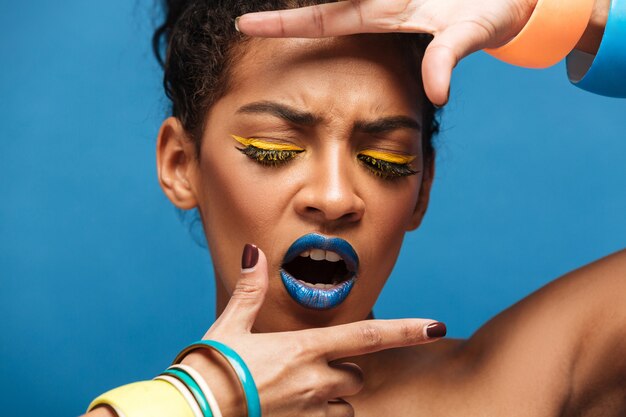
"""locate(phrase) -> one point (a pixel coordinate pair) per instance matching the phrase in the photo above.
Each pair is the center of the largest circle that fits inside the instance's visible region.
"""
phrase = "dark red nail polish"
(250, 256)
(437, 329)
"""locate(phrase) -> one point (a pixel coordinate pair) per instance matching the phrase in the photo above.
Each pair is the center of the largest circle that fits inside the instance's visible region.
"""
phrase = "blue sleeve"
(605, 72)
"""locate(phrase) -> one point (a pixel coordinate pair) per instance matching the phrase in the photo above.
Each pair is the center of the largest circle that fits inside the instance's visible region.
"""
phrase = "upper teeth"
(320, 255)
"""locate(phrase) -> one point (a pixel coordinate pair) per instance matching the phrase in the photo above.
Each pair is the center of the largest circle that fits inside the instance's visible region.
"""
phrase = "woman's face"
(325, 113)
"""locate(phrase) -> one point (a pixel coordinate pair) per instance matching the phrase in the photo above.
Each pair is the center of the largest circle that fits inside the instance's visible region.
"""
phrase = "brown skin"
(459, 28)
(559, 352)
(325, 189)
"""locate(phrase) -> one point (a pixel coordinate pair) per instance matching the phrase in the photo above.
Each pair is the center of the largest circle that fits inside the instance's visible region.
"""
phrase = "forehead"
(369, 74)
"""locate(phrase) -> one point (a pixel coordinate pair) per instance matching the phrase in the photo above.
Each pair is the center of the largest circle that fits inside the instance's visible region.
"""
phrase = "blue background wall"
(100, 284)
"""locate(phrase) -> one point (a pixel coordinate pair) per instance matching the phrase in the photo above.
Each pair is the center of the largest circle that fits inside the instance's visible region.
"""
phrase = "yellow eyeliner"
(267, 146)
(389, 157)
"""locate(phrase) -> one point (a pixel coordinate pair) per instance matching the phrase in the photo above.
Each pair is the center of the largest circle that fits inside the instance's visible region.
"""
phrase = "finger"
(350, 379)
(249, 294)
(339, 408)
(331, 19)
(370, 336)
(444, 53)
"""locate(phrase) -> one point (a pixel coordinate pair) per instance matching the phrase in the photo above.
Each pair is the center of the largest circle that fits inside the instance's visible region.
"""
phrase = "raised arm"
(459, 27)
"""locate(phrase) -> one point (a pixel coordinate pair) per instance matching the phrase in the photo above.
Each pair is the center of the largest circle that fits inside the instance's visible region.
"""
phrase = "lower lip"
(316, 298)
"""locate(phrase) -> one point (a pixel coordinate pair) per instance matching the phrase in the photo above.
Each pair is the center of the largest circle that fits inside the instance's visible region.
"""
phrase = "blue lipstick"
(307, 294)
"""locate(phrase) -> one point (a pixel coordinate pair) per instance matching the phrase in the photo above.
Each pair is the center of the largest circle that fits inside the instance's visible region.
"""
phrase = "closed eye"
(269, 158)
(386, 165)
(267, 153)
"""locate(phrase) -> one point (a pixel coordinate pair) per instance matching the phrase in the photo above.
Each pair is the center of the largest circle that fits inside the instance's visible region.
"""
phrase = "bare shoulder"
(557, 352)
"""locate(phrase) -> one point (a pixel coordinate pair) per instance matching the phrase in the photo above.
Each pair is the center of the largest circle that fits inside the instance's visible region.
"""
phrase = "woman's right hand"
(297, 373)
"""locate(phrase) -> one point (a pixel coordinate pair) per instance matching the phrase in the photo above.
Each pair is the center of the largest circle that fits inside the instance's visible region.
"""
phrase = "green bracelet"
(250, 391)
(193, 386)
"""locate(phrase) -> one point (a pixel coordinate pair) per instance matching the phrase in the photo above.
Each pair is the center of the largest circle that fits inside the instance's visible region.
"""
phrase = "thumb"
(249, 294)
(444, 53)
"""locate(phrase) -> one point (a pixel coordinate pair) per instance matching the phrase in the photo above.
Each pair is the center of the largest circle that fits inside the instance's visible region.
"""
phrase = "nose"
(329, 194)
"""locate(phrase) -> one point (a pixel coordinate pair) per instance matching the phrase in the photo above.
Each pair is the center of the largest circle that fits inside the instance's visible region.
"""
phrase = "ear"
(176, 164)
(424, 197)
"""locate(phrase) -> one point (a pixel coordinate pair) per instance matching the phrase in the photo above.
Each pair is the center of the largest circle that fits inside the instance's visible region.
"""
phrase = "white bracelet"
(203, 386)
(195, 408)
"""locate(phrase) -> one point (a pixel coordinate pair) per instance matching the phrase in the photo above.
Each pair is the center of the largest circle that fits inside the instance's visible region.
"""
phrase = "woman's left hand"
(460, 27)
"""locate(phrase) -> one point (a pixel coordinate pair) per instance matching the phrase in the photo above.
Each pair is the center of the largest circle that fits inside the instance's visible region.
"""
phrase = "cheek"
(391, 207)
(240, 204)
(390, 212)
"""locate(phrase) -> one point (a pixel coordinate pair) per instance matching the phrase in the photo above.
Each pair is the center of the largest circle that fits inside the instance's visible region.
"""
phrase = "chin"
(281, 313)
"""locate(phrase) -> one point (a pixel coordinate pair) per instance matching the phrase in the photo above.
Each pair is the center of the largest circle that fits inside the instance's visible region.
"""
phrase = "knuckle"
(358, 9)
(317, 391)
(484, 27)
(370, 336)
(246, 290)
(399, 13)
(317, 381)
(301, 347)
(318, 19)
(410, 334)
(281, 24)
(298, 348)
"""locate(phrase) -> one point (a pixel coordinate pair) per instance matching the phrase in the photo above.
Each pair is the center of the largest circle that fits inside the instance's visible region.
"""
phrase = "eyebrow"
(387, 124)
(281, 111)
(303, 118)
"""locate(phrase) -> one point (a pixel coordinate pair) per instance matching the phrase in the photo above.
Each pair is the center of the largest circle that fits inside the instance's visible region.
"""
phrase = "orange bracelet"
(552, 32)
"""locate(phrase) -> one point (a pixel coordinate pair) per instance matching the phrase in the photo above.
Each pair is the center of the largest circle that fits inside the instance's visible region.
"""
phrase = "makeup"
(381, 165)
(319, 272)
(265, 145)
(267, 153)
(389, 157)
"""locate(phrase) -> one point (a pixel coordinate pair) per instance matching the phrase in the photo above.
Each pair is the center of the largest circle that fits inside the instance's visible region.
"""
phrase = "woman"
(318, 151)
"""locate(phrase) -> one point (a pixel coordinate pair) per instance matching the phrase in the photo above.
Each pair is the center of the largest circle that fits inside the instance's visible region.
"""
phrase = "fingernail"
(437, 329)
(250, 256)
(237, 23)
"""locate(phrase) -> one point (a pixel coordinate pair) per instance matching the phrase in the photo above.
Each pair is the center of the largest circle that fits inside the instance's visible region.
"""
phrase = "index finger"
(322, 20)
(370, 336)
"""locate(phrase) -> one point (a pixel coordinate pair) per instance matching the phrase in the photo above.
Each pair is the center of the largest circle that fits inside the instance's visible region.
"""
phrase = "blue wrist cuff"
(604, 74)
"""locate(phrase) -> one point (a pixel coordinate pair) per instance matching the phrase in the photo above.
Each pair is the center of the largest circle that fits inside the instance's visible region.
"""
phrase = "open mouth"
(318, 268)
(319, 272)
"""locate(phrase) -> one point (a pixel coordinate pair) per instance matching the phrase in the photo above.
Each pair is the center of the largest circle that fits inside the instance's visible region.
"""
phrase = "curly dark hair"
(201, 43)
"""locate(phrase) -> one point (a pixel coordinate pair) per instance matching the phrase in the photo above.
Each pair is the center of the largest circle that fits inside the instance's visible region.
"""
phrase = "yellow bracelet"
(145, 399)
(554, 29)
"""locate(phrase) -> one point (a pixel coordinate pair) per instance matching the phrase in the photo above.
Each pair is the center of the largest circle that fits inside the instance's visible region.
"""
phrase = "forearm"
(590, 41)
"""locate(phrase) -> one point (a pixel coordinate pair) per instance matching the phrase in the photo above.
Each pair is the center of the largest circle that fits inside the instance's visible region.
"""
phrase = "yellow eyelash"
(389, 157)
(267, 146)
